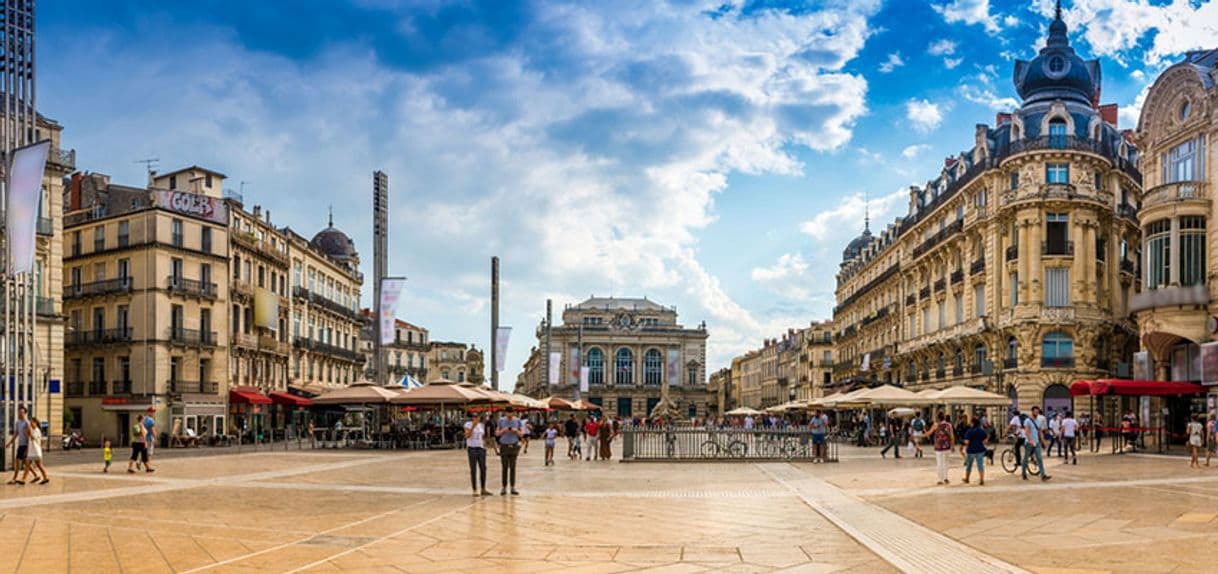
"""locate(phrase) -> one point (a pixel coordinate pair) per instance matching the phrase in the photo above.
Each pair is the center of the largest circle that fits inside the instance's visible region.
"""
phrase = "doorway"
(124, 429)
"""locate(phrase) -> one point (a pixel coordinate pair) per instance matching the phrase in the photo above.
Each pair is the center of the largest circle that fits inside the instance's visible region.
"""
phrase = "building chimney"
(257, 211)
(1109, 112)
(74, 191)
(1001, 119)
(268, 217)
(151, 176)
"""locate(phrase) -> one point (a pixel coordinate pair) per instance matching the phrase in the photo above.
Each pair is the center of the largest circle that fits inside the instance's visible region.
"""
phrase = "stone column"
(1173, 251)
(1078, 262)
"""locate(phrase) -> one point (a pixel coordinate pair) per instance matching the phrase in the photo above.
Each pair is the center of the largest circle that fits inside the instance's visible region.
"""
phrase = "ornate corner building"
(1177, 132)
(1015, 269)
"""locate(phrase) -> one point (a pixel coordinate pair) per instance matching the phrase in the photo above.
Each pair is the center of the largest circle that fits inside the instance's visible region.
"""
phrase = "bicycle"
(733, 448)
(1011, 463)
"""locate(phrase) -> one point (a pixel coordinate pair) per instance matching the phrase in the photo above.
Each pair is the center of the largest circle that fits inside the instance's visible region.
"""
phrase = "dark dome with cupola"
(1058, 73)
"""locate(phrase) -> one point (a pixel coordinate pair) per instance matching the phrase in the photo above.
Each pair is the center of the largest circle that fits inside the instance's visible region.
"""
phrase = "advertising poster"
(1209, 363)
(1141, 367)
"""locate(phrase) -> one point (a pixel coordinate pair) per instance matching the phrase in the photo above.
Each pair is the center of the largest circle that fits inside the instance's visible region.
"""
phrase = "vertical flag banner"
(1209, 363)
(574, 379)
(1141, 366)
(391, 293)
(501, 345)
(266, 309)
(583, 379)
(555, 370)
(24, 195)
(866, 366)
(674, 366)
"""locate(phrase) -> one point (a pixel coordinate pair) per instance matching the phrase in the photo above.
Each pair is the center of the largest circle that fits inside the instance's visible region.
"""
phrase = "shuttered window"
(979, 299)
(1057, 287)
(1013, 285)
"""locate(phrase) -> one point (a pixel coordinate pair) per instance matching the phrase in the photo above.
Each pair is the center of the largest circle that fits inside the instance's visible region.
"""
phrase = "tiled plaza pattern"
(315, 511)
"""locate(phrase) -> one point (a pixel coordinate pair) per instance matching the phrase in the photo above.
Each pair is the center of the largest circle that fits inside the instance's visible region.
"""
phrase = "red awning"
(247, 395)
(1134, 388)
(290, 400)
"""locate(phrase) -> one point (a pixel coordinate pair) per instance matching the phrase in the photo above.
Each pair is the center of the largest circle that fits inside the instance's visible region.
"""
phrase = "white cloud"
(951, 63)
(787, 277)
(986, 97)
(969, 12)
(893, 62)
(1116, 28)
(942, 47)
(1128, 116)
(913, 151)
(598, 170)
(838, 224)
(924, 115)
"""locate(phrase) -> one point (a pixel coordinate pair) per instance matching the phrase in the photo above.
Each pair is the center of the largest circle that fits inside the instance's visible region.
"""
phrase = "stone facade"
(796, 366)
(453, 361)
(1178, 133)
(326, 319)
(1014, 269)
(258, 275)
(632, 348)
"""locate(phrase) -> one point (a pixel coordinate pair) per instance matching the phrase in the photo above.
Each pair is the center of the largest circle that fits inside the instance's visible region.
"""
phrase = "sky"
(715, 156)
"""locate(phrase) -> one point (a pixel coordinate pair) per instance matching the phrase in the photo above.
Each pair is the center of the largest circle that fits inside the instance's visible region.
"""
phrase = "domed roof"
(333, 242)
(857, 245)
(1057, 72)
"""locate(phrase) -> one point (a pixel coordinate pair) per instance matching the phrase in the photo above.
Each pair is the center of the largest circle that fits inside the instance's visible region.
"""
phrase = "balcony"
(272, 345)
(940, 285)
(1057, 362)
(327, 304)
(1170, 297)
(98, 337)
(98, 388)
(948, 231)
(977, 266)
(121, 387)
(1127, 266)
(975, 369)
(1056, 142)
(1128, 211)
(194, 387)
(911, 299)
(337, 352)
(957, 276)
(1012, 252)
(45, 306)
(1172, 193)
(924, 293)
(192, 337)
(1010, 363)
(64, 158)
(251, 242)
(97, 288)
(940, 373)
(74, 389)
(192, 287)
(242, 287)
(958, 371)
(244, 340)
(45, 226)
(1057, 248)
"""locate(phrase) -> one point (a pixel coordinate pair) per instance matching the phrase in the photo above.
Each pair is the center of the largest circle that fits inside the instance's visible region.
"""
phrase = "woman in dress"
(1194, 431)
(35, 456)
(605, 434)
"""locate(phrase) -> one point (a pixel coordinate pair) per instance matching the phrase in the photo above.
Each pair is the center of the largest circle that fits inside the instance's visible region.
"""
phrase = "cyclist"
(1015, 429)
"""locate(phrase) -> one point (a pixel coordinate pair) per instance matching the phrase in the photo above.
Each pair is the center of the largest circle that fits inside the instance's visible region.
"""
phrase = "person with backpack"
(1034, 441)
(139, 448)
(944, 437)
(919, 430)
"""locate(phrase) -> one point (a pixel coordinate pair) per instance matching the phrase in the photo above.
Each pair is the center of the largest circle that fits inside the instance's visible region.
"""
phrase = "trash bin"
(163, 442)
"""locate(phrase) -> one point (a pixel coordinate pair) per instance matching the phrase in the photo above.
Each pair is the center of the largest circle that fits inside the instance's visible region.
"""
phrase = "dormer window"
(1057, 133)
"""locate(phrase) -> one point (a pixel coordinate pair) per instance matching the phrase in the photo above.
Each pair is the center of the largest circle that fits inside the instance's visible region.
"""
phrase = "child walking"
(107, 455)
(551, 437)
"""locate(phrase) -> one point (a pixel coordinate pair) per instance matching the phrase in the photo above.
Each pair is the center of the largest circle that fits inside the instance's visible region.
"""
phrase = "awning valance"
(290, 400)
(247, 396)
(1134, 388)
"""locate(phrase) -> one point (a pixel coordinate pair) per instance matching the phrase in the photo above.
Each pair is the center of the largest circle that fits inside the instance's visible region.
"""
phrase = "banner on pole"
(574, 375)
(501, 346)
(391, 292)
(674, 366)
(583, 379)
(866, 366)
(24, 196)
(555, 370)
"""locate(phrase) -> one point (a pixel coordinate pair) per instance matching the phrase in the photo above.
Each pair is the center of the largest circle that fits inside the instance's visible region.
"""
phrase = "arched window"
(623, 368)
(653, 367)
(1012, 359)
(596, 366)
(958, 368)
(979, 356)
(1057, 350)
(1158, 254)
(941, 366)
(1057, 399)
(1057, 133)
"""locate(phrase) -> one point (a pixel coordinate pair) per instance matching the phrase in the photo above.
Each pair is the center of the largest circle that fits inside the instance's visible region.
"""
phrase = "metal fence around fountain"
(727, 444)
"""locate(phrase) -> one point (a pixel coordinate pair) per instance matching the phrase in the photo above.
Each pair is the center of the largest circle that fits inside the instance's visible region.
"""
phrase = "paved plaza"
(368, 511)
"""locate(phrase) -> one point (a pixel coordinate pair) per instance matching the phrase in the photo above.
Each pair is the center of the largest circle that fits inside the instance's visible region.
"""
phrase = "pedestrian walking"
(1070, 437)
(571, 431)
(1015, 429)
(475, 451)
(975, 451)
(818, 425)
(606, 434)
(1054, 435)
(107, 456)
(1194, 431)
(34, 457)
(20, 437)
(918, 430)
(944, 436)
(508, 437)
(1211, 439)
(149, 434)
(551, 436)
(1033, 445)
(891, 431)
(591, 428)
(139, 448)
(528, 433)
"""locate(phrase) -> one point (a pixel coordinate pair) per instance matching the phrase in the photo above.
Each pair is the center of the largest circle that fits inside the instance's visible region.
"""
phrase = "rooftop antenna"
(331, 215)
(241, 189)
(149, 163)
(1059, 10)
(866, 212)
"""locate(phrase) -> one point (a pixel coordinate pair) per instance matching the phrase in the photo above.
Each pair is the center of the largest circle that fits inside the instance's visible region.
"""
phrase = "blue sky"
(714, 156)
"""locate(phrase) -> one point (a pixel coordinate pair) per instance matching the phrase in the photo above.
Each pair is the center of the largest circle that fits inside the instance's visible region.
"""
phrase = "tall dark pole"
(549, 324)
(495, 323)
(380, 265)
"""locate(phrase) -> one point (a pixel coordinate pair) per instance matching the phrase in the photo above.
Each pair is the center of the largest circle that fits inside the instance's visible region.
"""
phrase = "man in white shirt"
(1053, 437)
(1015, 429)
(1069, 431)
(748, 423)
